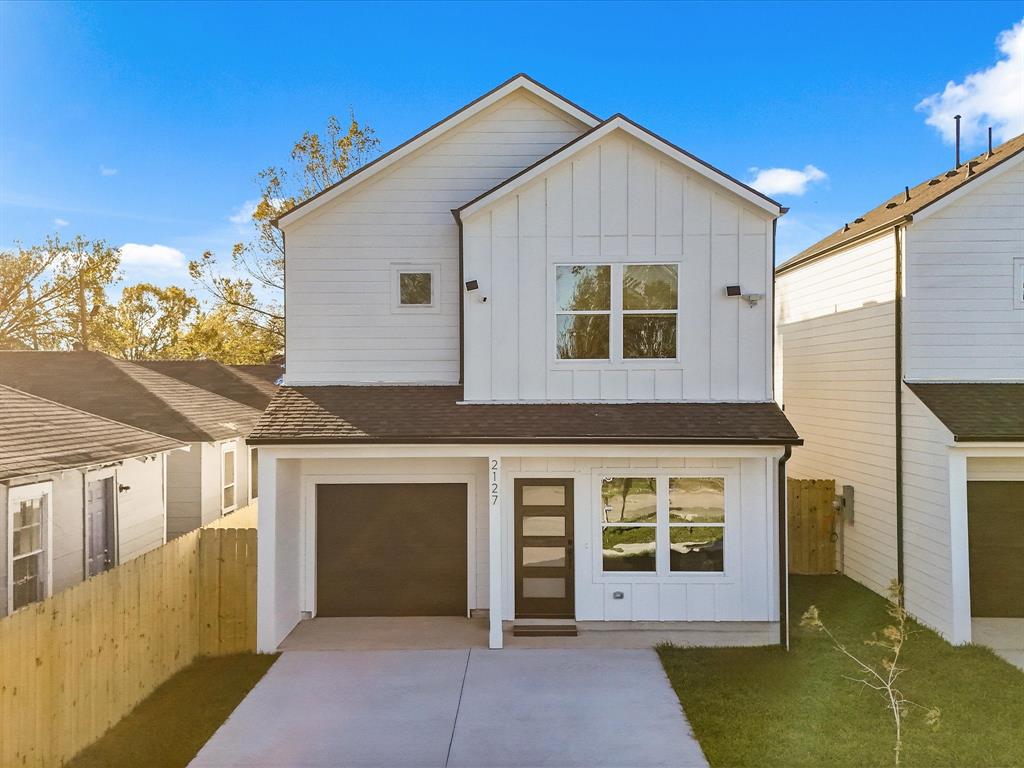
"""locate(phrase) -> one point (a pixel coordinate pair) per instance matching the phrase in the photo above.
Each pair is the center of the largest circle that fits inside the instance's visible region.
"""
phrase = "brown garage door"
(391, 549)
(995, 531)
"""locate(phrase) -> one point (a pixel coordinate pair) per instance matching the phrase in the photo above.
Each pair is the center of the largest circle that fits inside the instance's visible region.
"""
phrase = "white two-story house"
(900, 358)
(529, 377)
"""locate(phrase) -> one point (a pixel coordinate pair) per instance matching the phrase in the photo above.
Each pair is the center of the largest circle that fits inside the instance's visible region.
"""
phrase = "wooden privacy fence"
(812, 525)
(75, 664)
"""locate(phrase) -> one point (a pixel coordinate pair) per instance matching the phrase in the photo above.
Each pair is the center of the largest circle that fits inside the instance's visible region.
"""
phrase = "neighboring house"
(900, 353)
(251, 385)
(519, 383)
(78, 495)
(208, 481)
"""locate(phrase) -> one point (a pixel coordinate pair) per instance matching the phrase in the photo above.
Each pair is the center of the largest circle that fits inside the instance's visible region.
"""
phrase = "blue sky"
(147, 123)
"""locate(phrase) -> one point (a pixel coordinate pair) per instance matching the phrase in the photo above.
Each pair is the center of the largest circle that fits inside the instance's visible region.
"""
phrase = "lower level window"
(29, 512)
(689, 518)
(228, 476)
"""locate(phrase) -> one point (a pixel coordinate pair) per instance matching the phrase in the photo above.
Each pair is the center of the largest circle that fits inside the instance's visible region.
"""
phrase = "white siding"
(748, 591)
(341, 327)
(960, 320)
(927, 559)
(618, 201)
(140, 508)
(836, 349)
(184, 490)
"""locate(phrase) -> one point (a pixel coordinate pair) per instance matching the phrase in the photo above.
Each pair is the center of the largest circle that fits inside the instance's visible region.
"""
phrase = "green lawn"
(767, 707)
(170, 726)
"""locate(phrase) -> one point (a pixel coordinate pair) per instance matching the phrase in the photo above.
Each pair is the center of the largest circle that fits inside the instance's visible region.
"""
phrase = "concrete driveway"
(458, 708)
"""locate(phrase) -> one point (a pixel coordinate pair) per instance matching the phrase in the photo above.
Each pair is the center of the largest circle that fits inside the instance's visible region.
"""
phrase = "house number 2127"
(494, 481)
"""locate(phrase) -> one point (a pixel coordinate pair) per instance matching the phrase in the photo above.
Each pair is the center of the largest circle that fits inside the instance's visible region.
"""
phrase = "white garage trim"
(308, 518)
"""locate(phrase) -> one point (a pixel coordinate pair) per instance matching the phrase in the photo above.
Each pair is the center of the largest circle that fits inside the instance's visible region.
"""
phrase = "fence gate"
(812, 526)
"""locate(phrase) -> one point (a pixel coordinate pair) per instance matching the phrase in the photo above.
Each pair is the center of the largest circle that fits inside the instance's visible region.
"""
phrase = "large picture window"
(28, 545)
(666, 525)
(616, 311)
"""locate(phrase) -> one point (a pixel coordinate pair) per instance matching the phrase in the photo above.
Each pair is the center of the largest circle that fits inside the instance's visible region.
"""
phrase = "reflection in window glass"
(649, 337)
(629, 499)
(414, 288)
(582, 337)
(696, 500)
(28, 575)
(696, 548)
(544, 557)
(583, 288)
(650, 286)
(537, 525)
(550, 588)
(543, 495)
(629, 548)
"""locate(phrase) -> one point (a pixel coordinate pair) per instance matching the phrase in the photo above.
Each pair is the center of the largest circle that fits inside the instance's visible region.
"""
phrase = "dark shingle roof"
(128, 393)
(897, 208)
(269, 372)
(42, 436)
(224, 380)
(977, 412)
(426, 414)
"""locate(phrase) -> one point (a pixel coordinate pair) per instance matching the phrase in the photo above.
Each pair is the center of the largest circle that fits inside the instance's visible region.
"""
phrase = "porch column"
(266, 554)
(494, 499)
(959, 552)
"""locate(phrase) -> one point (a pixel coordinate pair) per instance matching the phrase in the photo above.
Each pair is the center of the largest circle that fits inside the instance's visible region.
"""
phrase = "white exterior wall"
(139, 514)
(835, 353)
(617, 202)
(927, 553)
(960, 322)
(341, 325)
(748, 591)
(184, 484)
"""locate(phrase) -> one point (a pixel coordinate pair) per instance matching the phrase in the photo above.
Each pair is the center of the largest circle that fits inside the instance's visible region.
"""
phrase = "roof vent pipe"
(957, 118)
(989, 141)
(906, 194)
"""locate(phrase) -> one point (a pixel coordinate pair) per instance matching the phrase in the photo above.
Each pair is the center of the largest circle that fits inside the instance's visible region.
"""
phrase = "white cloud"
(785, 181)
(160, 258)
(244, 213)
(105, 171)
(61, 222)
(993, 96)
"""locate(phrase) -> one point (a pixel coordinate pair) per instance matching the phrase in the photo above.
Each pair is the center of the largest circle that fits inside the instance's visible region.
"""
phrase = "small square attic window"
(415, 289)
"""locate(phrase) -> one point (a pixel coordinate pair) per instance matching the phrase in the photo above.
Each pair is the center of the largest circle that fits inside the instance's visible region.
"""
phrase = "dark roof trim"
(1018, 438)
(577, 440)
(425, 131)
(800, 261)
(566, 148)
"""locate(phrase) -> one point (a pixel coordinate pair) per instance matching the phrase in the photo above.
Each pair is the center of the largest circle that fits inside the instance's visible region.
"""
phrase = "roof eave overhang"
(583, 440)
(809, 258)
(623, 123)
(518, 82)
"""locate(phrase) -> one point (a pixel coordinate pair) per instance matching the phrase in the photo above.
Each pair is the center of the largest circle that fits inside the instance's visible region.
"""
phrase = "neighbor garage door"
(391, 549)
(995, 531)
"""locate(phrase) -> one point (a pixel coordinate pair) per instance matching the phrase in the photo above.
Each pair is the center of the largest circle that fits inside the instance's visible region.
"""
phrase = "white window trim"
(227, 448)
(249, 476)
(1018, 282)
(663, 574)
(397, 307)
(615, 315)
(16, 495)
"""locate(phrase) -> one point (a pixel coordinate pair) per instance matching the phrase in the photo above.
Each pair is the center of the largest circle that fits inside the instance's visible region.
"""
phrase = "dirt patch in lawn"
(766, 707)
(169, 727)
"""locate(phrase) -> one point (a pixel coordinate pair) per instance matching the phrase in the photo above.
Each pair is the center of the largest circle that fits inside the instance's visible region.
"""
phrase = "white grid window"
(28, 545)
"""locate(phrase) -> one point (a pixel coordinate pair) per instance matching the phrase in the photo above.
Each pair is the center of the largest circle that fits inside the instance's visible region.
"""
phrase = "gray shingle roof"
(426, 414)
(128, 393)
(976, 412)
(224, 380)
(898, 207)
(42, 436)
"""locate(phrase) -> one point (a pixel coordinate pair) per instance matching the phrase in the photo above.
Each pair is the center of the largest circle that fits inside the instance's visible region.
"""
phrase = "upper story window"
(616, 311)
(414, 288)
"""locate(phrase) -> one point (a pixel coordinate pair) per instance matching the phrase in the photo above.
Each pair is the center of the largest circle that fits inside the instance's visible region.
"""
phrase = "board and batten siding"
(341, 326)
(618, 201)
(835, 351)
(960, 322)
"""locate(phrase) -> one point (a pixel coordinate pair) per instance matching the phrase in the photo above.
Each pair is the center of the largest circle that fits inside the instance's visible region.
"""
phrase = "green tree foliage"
(51, 294)
(254, 294)
(148, 323)
(221, 335)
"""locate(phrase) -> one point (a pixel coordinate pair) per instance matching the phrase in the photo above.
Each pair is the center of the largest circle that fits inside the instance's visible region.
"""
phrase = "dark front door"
(391, 549)
(995, 535)
(544, 552)
(99, 513)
